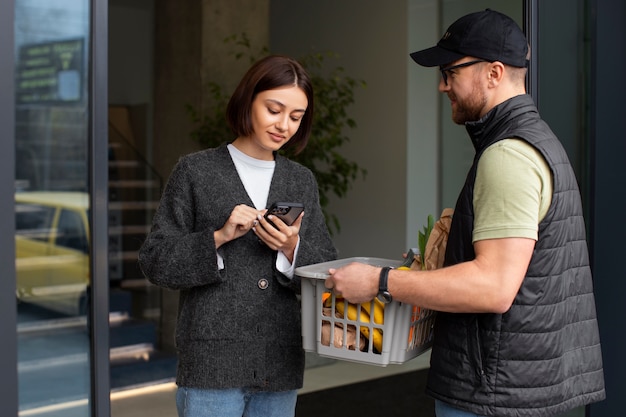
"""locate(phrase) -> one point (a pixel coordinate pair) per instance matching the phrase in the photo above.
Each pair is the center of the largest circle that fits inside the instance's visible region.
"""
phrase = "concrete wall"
(191, 52)
(131, 51)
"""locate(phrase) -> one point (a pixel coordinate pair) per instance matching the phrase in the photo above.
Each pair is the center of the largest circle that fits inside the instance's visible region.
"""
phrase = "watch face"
(385, 297)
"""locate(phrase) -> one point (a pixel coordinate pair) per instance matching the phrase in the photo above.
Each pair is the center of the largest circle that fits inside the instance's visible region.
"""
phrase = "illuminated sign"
(50, 72)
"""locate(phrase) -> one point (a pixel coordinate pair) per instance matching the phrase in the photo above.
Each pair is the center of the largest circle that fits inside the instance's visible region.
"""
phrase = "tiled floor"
(158, 400)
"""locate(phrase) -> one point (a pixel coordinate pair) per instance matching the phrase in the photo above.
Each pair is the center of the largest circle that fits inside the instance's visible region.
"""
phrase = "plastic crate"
(406, 331)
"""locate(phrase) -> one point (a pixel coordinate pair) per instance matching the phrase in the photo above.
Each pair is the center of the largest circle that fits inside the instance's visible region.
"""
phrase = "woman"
(238, 332)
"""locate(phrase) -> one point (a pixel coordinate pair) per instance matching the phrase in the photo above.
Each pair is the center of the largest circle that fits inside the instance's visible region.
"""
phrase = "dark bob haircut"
(269, 73)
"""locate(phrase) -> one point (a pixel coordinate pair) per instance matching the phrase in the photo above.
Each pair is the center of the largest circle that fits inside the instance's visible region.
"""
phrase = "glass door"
(52, 212)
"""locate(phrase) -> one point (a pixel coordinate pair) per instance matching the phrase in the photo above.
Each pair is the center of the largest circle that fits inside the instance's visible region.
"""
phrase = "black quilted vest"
(542, 357)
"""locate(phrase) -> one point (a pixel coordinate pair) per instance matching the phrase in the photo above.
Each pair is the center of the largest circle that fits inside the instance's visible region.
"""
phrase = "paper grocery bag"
(435, 251)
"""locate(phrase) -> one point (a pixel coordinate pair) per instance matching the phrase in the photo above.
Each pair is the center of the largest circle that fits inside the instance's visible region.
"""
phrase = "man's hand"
(356, 282)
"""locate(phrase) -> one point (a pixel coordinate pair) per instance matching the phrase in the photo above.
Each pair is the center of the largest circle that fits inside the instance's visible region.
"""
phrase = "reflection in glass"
(51, 206)
(52, 250)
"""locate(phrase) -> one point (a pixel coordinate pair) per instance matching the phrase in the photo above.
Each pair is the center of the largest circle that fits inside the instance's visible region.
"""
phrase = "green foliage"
(334, 93)
(422, 238)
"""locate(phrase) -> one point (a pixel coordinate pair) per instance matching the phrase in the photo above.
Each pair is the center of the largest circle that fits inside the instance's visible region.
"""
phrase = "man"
(517, 333)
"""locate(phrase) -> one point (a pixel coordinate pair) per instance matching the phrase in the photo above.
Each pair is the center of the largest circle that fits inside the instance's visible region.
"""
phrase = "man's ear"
(496, 73)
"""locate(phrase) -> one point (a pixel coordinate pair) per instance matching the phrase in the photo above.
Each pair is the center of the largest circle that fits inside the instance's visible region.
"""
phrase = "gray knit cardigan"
(239, 326)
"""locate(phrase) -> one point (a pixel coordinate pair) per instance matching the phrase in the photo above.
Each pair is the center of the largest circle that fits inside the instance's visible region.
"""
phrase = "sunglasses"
(444, 71)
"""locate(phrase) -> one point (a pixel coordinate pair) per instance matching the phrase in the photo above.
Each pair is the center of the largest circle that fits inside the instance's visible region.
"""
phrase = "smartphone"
(287, 212)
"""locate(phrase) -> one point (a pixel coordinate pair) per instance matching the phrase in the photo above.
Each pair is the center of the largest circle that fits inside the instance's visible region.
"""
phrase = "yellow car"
(52, 249)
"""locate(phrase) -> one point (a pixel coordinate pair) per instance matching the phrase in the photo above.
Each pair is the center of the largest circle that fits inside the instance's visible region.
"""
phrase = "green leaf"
(422, 238)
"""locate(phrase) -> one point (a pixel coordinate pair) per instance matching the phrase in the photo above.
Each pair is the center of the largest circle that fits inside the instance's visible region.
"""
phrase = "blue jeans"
(446, 410)
(237, 402)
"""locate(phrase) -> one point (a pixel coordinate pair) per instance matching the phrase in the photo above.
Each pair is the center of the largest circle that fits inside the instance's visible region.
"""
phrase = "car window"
(33, 221)
(71, 232)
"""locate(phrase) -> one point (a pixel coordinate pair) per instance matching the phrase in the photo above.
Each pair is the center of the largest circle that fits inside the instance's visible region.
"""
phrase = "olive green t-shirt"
(512, 191)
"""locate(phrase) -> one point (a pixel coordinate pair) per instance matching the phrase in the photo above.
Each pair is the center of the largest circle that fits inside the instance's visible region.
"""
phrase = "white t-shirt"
(256, 176)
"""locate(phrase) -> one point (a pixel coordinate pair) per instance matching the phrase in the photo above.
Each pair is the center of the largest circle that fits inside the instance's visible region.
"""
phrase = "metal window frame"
(98, 181)
(531, 29)
(8, 307)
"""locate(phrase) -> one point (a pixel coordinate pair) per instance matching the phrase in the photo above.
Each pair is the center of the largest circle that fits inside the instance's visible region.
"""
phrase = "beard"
(468, 109)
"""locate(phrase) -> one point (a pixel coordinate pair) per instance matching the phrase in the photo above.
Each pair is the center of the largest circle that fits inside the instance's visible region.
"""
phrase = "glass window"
(71, 231)
(51, 205)
(33, 221)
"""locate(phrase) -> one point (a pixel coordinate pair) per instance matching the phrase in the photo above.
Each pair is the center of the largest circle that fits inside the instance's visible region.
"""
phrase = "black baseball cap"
(487, 35)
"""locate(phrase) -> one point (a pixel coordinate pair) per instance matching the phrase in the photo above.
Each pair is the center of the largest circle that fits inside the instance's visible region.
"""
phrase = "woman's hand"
(241, 220)
(282, 237)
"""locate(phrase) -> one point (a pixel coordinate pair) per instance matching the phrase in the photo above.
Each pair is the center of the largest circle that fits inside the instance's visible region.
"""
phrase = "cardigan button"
(263, 284)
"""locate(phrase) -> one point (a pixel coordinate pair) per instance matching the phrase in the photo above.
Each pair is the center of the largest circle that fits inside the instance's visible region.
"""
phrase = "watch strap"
(384, 277)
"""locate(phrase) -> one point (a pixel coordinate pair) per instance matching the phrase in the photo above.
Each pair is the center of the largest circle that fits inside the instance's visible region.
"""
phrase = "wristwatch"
(383, 292)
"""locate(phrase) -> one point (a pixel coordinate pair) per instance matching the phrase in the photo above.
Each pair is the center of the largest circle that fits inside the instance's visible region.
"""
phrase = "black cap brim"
(435, 56)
